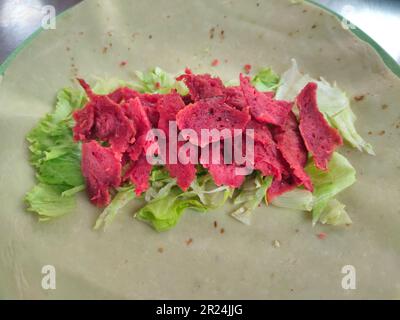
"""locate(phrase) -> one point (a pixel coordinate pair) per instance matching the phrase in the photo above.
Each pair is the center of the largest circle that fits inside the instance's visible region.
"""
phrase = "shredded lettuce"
(157, 80)
(166, 202)
(332, 102)
(327, 184)
(122, 198)
(56, 158)
(208, 193)
(297, 199)
(250, 196)
(335, 214)
(266, 80)
(163, 213)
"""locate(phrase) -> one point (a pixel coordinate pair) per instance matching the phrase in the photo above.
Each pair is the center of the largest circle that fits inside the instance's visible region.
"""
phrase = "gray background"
(378, 18)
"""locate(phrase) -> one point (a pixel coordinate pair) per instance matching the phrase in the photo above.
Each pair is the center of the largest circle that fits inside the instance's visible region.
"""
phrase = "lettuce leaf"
(335, 214)
(327, 184)
(163, 213)
(250, 196)
(157, 80)
(56, 158)
(297, 199)
(332, 102)
(266, 80)
(209, 194)
(47, 201)
(108, 215)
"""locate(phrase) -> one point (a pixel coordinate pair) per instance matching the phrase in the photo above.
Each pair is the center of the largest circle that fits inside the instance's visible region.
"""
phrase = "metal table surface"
(380, 19)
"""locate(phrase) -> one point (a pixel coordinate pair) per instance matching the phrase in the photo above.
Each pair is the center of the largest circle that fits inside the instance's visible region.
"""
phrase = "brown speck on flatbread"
(313, 26)
(68, 48)
(222, 231)
(110, 45)
(359, 98)
(104, 51)
(211, 33)
(385, 106)
(81, 33)
(305, 10)
(215, 224)
(109, 33)
(150, 36)
(160, 250)
(370, 132)
(381, 133)
(222, 34)
(257, 4)
(189, 241)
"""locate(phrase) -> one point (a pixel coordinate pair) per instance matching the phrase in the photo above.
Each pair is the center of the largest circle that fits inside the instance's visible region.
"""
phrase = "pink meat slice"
(123, 94)
(202, 86)
(135, 111)
(103, 119)
(268, 160)
(184, 173)
(211, 114)
(169, 106)
(291, 145)
(150, 102)
(234, 97)
(101, 168)
(112, 125)
(262, 133)
(223, 173)
(139, 173)
(84, 121)
(320, 139)
(262, 106)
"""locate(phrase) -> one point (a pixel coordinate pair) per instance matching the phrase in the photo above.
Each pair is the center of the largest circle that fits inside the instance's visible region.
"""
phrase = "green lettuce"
(164, 212)
(327, 184)
(56, 158)
(297, 199)
(48, 202)
(332, 102)
(250, 196)
(335, 214)
(122, 198)
(266, 80)
(208, 193)
(157, 80)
